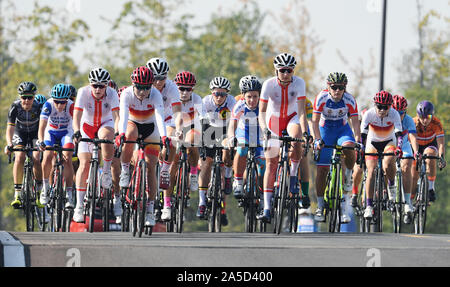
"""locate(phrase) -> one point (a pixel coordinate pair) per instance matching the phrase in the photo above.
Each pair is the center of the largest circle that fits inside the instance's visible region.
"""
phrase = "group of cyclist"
(157, 109)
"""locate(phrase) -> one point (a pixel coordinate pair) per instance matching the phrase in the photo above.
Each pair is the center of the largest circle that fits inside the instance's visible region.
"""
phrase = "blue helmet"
(60, 91)
(72, 92)
(41, 99)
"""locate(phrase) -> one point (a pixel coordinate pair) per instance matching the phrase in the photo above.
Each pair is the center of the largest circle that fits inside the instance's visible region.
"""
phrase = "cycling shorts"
(388, 146)
(433, 145)
(23, 138)
(62, 138)
(88, 131)
(333, 136)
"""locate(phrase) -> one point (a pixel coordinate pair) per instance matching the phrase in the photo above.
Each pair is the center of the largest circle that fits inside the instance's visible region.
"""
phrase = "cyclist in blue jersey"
(245, 129)
(55, 127)
(331, 119)
(409, 140)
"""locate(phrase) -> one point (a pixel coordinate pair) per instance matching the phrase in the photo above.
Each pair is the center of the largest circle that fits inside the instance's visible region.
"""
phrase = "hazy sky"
(351, 26)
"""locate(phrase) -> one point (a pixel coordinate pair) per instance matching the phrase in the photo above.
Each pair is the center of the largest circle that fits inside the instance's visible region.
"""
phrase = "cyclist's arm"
(262, 114)
(302, 114)
(315, 126)
(441, 146)
(354, 121)
(115, 114)
(176, 109)
(77, 113)
(42, 126)
(413, 141)
(9, 134)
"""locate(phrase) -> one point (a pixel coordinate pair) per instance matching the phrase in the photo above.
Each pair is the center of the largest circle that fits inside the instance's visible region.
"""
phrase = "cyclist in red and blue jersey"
(334, 108)
(55, 127)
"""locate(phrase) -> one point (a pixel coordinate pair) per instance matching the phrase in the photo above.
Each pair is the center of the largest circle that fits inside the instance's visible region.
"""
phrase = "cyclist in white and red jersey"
(96, 114)
(218, 106)
(141, 115)
(172, 116)
(381, 130)
(282, 107)
(192, 111)
(335, 114)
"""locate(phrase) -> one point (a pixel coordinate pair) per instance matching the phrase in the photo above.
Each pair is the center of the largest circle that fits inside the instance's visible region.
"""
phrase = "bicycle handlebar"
(21, 149)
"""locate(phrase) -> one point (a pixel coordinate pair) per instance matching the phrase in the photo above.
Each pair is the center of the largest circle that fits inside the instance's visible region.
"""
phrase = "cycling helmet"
(244, 79)
(399, 103)
(383, 97)
(60, 91)
(41, 99)
(220, 83)
(284, 60)
(251, 85)
(27, 88)
(72, 92)
(142, 76)
(424, 109)
(112, 84)
(337, 78)
(99, 76)
(185, 78)
(159, 67)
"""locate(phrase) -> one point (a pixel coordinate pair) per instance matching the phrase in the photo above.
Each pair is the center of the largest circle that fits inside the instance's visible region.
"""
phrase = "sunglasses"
(160, 78)
(427, 117)
(97, 86)
(285, 70)
(336, 87)
(182, 89)
(60, 102)
(220, 94)
(27, 98)
(143, 87)
(382, 107)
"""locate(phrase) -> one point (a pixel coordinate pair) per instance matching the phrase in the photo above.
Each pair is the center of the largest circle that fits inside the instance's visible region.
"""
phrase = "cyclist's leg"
(371, 163)
(81, 184)
(18, 177)
(203, 181)
(431, 150)
(407, 165)
(131, 134)
(389, 170)
(66, 142)
(106, 132)
(239, 165)
(294, 130)
(164, 181)
(193, 137)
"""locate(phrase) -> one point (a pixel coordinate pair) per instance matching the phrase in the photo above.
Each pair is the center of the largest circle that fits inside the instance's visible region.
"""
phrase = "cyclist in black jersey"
(22, 130)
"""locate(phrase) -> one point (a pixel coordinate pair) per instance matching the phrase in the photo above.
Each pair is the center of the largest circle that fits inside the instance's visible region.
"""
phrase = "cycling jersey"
(281, 102)
(96, 112)
(171, 98)
(426, 135)
(24, 121)
(334, 114)
(148, 111)
(192, 111)
(248, 129)
(218, 116)
(381, 129)
(59, 124)
(57, 120)
(409, 127)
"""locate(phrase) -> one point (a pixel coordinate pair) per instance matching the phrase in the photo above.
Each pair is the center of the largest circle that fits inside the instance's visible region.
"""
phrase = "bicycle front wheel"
(421, 206)
(282, 195)
(142, 203)
(92, 194)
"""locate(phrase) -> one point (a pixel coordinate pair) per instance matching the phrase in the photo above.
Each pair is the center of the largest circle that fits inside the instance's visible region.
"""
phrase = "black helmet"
(27, 88)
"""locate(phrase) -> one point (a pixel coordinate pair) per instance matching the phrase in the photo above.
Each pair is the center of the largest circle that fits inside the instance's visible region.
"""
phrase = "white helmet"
(99, 76)
(220, 83)
(159, 67)
(284, 60)
(245, 79)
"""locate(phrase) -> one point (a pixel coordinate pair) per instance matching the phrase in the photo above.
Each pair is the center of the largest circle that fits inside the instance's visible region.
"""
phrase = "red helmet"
(142, 76)
(383, 97)
(399, 103)
(185, 78)
(119, 92)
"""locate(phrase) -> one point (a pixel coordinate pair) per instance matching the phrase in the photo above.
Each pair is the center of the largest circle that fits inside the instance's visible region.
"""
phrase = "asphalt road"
(233, 249)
